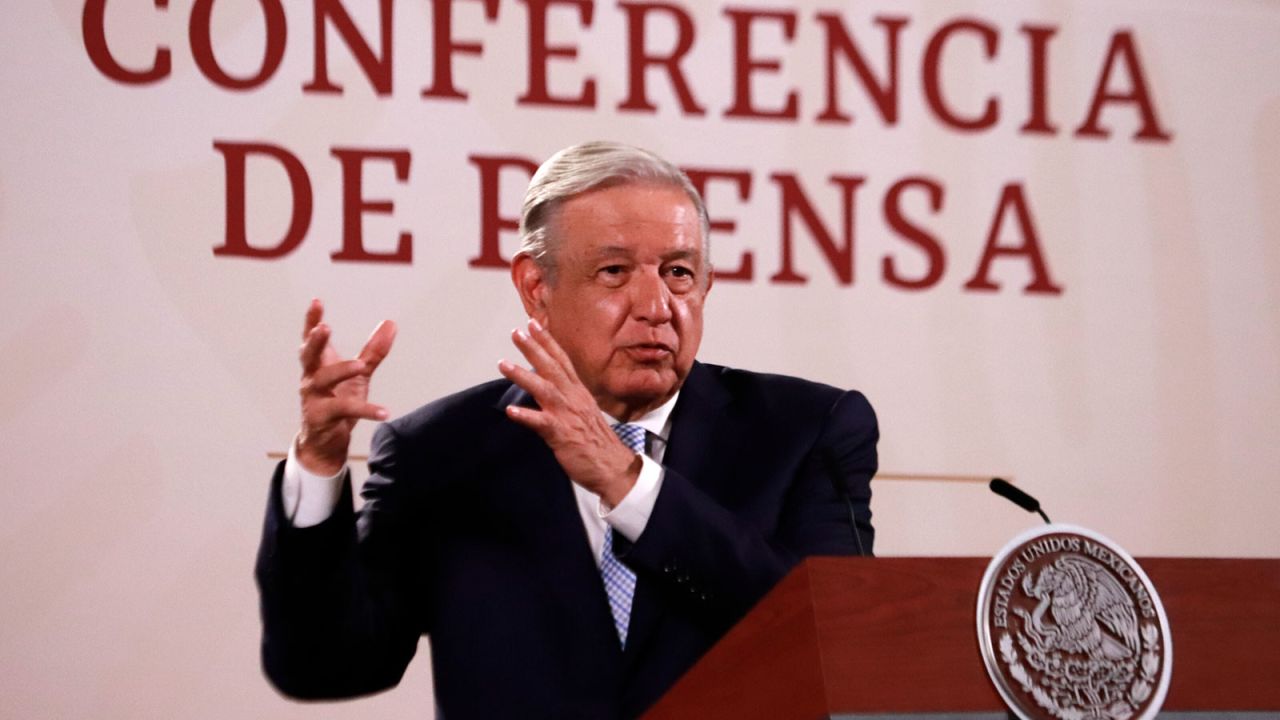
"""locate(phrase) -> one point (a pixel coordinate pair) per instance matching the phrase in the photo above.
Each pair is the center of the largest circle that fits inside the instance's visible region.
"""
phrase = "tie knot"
(631, 435)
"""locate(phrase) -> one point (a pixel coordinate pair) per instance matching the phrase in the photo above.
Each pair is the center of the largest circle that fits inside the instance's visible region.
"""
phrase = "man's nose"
(651, 298)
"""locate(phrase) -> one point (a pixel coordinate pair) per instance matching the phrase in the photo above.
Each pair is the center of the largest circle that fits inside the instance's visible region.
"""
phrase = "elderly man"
(574, 536)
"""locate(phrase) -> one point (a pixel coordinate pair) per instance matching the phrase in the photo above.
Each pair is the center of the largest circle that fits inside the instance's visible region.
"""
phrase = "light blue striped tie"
(619, 580)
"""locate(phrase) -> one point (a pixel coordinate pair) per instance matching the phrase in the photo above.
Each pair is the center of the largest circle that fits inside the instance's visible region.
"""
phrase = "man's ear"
(531, 284)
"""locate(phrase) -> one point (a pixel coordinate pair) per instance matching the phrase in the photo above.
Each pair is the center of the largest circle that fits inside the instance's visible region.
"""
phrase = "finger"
(313, 348)
(358, 408)
(538, 357)
(539, 387)
(552, 348)
(329, 410)
(315, 312)
(378, 345)
(325, 378)
(536, 421)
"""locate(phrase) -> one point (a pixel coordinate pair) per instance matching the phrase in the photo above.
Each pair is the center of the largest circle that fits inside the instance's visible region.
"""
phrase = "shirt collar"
(655, 421)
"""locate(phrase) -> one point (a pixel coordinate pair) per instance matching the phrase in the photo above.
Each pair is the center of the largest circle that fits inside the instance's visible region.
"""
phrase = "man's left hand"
(568, 418)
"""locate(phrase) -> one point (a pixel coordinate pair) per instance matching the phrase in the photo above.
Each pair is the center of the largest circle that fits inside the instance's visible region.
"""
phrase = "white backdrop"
(147, 379)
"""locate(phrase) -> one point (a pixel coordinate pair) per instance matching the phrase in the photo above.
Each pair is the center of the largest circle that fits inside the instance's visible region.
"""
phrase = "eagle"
(1092, 612)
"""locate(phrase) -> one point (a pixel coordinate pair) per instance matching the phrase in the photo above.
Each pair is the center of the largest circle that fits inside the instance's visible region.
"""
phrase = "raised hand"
(568, 418)
(335, 392)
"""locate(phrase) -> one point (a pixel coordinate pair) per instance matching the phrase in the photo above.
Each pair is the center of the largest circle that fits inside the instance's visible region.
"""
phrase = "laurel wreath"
(1138, 692)
(1019, 673)
(1141, 689)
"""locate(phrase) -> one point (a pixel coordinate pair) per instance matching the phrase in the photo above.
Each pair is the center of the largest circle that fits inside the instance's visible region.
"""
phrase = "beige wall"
(146, 379)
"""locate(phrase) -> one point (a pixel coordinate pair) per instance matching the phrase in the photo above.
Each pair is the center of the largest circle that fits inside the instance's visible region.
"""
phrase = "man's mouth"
(649, 352)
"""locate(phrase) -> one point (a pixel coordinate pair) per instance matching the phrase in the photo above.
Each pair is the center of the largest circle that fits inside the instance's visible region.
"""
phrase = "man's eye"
(612, 275)
(680, 271)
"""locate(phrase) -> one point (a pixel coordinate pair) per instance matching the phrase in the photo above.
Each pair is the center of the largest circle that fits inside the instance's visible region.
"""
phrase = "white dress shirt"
(309, 499)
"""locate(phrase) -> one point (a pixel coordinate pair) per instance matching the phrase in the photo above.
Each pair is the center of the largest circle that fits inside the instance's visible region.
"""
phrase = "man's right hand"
(335, 392)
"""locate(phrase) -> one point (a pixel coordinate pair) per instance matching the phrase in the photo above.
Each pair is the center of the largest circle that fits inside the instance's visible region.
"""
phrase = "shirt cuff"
(309, 499)
(630, 516)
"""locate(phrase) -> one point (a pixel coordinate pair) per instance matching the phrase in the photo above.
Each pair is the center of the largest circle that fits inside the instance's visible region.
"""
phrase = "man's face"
(626, 303)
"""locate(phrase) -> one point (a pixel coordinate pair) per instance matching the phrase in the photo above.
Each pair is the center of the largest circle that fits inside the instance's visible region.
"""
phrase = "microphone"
(1019, 498)
(833, 473)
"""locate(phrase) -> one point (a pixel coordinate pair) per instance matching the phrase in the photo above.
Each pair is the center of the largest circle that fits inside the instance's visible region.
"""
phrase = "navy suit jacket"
(470, 534)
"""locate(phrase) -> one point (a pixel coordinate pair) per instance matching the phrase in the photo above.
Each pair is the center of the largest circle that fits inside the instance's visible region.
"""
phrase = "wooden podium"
(850, 636)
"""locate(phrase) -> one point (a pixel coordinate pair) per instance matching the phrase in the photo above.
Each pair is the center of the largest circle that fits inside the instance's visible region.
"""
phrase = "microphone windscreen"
(1019, 498)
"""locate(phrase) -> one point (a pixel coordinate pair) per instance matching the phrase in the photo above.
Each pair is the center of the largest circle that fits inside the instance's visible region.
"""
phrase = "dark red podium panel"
(897, 635)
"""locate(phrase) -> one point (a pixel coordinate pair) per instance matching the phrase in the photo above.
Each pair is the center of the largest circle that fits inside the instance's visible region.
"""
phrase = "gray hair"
(594, 166)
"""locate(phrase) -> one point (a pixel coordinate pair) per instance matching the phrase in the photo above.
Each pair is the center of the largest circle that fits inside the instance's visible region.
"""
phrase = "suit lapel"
(541, 498)
(697, 428)
(698, 437)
